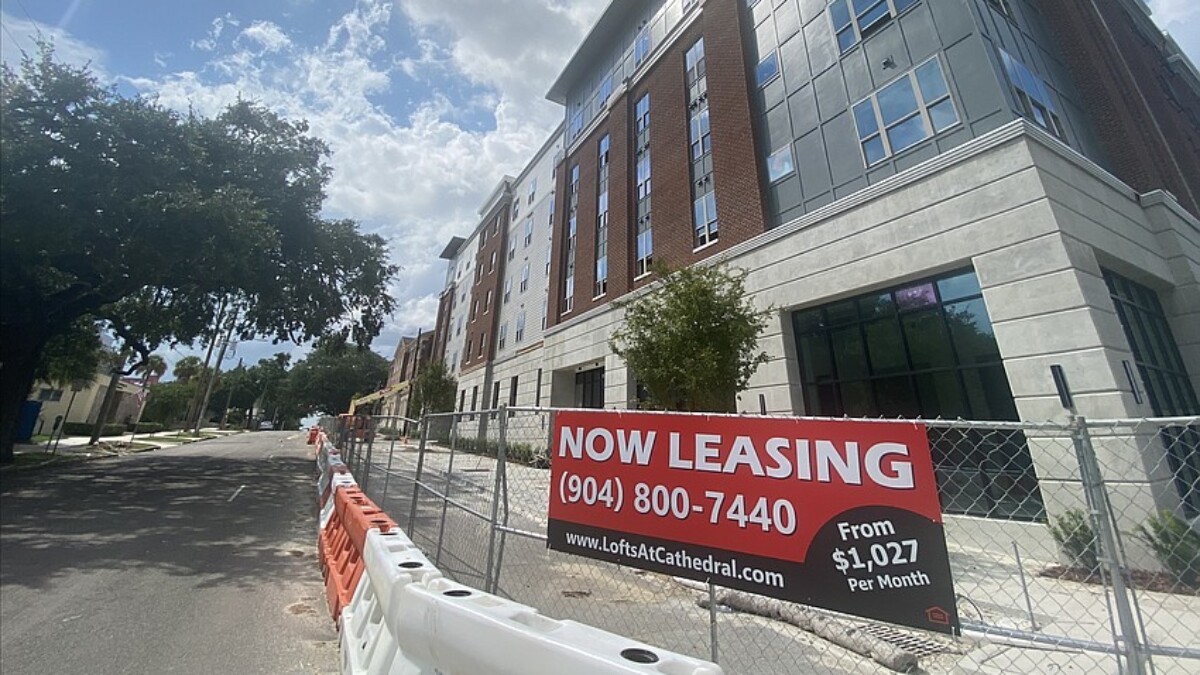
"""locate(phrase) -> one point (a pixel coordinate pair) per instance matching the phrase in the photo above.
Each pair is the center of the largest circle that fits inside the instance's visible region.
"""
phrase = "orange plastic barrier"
(312, 435)
(342, 541)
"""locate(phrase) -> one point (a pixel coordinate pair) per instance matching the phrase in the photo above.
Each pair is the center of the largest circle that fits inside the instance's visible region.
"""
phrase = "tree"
(187, 369)
(692, 341)
(148, 221)
(76, 354)
(168, 402)
(334, 374)
(433, 391)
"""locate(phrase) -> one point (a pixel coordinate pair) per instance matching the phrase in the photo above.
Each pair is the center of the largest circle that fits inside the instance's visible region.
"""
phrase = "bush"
(1074, 534)
(521, 453)
(147, 428)
(1175, 544)
(83, 429)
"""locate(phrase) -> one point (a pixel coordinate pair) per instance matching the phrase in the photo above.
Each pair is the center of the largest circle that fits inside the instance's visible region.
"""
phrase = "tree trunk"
(106, 408)
(20, 348)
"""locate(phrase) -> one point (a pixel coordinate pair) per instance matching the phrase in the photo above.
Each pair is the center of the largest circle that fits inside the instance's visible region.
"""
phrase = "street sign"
(842, 515)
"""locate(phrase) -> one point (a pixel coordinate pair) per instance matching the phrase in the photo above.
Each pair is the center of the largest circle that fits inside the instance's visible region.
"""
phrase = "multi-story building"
(412, 355)
(937, 199)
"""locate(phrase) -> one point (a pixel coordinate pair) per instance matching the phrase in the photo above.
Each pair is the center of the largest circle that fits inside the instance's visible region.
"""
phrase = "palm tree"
(187, 368)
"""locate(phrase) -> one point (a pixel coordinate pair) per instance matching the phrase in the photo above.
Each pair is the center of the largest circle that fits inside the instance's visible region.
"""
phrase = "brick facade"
(482, 326)
(736, 167)
(1144, 113)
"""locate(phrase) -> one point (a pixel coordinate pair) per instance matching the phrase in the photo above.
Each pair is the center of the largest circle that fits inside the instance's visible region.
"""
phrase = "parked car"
(266, 425)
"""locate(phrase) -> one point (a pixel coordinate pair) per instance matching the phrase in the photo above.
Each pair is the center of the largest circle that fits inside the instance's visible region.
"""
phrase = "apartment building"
(412, 355)
(938, 200)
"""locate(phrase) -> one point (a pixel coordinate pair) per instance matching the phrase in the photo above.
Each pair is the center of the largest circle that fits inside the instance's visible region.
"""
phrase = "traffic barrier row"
(398, 615)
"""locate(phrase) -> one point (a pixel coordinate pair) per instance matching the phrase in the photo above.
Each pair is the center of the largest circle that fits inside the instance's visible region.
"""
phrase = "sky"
(425, 104)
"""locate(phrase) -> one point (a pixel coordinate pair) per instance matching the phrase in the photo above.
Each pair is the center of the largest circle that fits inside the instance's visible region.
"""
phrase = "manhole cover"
(914, 644)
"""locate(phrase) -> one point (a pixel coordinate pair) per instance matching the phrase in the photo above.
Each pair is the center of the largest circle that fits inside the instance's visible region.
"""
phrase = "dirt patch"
(1143, 580)
(300, 608)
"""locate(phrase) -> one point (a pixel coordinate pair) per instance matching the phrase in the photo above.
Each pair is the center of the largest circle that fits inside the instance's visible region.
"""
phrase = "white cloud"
(1171, 11)
(417, 179)
(23, 34)
(267, 35)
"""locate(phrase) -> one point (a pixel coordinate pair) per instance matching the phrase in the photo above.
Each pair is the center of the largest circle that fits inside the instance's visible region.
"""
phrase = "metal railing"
(1070, 547)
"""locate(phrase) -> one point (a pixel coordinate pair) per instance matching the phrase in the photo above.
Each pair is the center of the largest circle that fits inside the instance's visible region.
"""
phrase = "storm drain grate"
(914, 644)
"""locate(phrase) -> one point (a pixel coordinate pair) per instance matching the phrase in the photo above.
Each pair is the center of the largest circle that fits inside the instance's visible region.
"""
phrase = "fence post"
(369, 433)
(412, 512)
(1110, 557)
(437, 558)
(491, 581)
(387, 473)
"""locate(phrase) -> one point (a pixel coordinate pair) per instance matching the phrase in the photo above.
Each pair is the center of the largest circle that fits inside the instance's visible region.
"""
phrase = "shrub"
(1074, 534)
(1175, 544)
(147, 427)
(83, 429)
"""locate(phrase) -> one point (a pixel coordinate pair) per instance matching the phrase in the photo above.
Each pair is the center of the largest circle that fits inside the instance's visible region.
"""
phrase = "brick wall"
(736, 171)
(494, 238)
(1150, 139)
(441, 332)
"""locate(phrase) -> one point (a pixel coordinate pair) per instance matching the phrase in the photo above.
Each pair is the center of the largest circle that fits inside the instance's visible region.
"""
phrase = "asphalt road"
(196, 559)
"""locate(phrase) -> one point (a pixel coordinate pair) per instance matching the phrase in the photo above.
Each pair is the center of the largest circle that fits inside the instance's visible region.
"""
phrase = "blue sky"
(425, 103)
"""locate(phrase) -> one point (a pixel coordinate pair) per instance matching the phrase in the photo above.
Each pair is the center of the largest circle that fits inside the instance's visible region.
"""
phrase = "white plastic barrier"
(406, 619)
(327, 510)
(392, 561)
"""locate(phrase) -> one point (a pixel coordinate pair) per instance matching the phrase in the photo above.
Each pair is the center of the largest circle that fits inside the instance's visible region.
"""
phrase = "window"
(925, 349)
(503, 336)
(525, 278)
(572, 224)
(474, 309)
(508, 290)
(528, 230)
(512, 249)
(601, 260)
(482, 342)
(550, 217)
(520, 332)
(589, 388)
(512, 391)
(705, 219)
(768, 68)
(576, 124)
(532, 190)
(467, 351)
(495, 396)
(462, 400)
(854, 20)
(1155, 351)
(537, 389)
(780, 164)
(701, 134)
(458, 331)
(50, 395)
(492, 263)
(1032, 95)
(605, 90)
(905, 112)
(487, 302)
(516, 210)
(545, 311)
(1001, 6)
(474, 398)
(641, 46)
(643, 232)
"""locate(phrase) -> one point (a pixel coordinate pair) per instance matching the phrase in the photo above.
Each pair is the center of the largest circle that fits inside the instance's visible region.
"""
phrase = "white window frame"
(854, 25)
(923, 107)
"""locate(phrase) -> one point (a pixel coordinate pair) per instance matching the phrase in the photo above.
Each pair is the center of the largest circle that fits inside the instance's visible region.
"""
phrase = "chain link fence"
(1073, 547)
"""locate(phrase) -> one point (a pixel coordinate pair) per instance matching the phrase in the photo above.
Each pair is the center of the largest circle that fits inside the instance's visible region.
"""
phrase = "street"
(193, 559)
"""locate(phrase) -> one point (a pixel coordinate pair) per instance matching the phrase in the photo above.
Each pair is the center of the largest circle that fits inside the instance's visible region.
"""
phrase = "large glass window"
(1155, 351)
(925, 349)
(601, 260)
(1032, 95)
(905, 112)
(589, 388)
(854, 20)
(643, 231)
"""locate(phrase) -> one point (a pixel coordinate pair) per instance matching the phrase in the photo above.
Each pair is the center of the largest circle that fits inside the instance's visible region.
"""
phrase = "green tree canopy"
(149, 221)
(433, 391)
(187, 369)
(334, 374)
(692, 341)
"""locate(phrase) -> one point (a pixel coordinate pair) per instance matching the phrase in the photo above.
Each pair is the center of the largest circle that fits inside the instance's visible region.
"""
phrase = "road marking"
(235, 494)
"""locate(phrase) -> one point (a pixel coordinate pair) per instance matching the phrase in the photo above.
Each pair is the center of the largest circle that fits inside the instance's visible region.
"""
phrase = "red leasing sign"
(835, 514)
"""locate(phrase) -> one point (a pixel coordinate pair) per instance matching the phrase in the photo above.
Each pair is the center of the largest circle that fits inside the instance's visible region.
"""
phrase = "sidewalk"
(76, 448)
